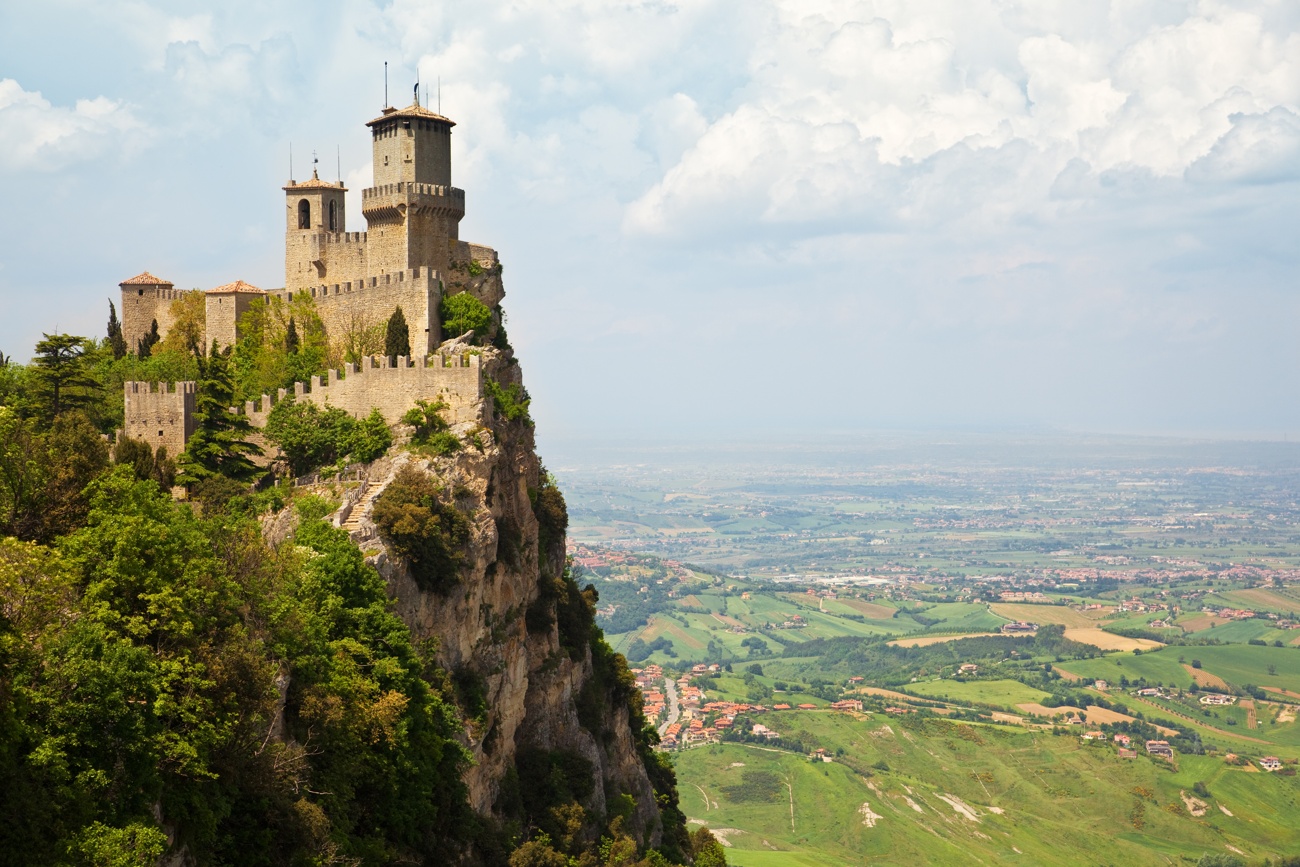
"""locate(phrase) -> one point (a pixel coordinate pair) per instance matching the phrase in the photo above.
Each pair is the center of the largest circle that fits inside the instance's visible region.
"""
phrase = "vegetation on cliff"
(139, 662)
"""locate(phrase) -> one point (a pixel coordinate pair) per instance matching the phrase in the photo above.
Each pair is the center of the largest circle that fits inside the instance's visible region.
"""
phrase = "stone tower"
(412, 212)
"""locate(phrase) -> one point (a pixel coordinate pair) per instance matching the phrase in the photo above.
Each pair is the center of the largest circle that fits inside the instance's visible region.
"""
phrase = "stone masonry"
(160, 415)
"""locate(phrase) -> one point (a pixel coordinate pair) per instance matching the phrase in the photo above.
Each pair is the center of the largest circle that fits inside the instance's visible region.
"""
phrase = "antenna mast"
(385, 84)
(338, 156)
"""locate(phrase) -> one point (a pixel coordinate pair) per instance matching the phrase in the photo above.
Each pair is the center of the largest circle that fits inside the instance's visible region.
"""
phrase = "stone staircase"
(358, 519)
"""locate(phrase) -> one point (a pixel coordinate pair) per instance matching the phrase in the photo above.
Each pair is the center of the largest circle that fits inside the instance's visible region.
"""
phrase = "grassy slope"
(1060, 799)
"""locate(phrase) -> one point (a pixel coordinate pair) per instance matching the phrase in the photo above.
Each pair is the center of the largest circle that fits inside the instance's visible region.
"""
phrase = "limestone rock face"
(531, 682)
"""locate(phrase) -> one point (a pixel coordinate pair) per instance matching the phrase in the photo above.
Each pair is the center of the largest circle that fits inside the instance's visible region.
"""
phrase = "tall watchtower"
(413, 212)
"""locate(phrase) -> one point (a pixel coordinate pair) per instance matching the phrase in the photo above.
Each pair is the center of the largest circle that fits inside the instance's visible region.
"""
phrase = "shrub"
(511, 401)
(432, 432)
(428, 533)
(463, 312)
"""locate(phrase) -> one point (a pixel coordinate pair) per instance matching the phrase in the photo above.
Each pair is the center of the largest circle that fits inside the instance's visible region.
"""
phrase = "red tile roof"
(237, 286)
(144, 278)
(411, 111)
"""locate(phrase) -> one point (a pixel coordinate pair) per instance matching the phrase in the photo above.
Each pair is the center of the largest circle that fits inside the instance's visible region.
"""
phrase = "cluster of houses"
(703, 721)
(1034, 596)
(796, 621)
(1019, 627)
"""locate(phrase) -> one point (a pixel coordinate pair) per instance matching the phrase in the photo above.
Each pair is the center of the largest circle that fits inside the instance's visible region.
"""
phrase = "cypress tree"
(115, 338)
(219, 445)
(397, 340)
(291, 339)
(144, 348)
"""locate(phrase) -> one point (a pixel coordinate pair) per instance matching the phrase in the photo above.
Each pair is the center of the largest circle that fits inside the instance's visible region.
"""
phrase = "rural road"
(674, 711)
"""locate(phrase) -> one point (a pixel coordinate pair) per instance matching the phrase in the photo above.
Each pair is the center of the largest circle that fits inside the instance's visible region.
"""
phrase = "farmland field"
(1017, 798)
(1045, 614)
(926, 640)
(1001, 692)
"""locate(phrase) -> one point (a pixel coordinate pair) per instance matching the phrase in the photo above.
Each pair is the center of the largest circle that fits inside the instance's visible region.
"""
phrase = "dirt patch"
(1224, 810)
(1286, 714)
(887, 693)
(1109, 641)
(1204, 678)
(723, 833)
(1195, 806)
(1045, 613)
(1252, 722)
(1280, 691)
(1066, 675)
(870, 610)
(1202, 623)
(691, 601)
(960, 807)
(1041, 710)
(727, 620)
(998, 716)
(869, 817)
(927, 640)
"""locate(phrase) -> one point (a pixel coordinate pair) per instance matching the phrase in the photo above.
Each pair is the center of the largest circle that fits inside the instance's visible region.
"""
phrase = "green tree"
(74, 454)
(115, 339)
(63, 378)
(218, 446)
(309, 436)
(370, 438)
(291, 340)
(397, 338)
(463, 313)
(147, 463)
(144, 346)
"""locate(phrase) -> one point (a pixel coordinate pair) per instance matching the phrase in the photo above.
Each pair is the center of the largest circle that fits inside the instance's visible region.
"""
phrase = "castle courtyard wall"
(159, 415)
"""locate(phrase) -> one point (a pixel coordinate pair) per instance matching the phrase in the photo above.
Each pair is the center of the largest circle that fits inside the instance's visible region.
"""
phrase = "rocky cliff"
(512, 629)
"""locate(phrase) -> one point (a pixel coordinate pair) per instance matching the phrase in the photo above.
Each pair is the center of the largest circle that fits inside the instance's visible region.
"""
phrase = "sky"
(723, 219)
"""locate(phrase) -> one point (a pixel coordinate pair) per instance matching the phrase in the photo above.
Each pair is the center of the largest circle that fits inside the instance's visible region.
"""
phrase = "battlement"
(457, 380)
(410, 275)
(159, 415)
(412, 188)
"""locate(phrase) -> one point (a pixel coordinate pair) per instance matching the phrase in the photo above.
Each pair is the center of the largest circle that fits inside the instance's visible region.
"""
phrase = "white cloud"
(38, 136)
(851, 100)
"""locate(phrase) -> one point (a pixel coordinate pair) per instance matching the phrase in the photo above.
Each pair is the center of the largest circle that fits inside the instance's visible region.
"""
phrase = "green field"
(961, 794)
(1007, 693)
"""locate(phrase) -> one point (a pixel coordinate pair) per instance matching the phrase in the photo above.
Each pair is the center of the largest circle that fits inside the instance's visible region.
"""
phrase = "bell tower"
(311, 209)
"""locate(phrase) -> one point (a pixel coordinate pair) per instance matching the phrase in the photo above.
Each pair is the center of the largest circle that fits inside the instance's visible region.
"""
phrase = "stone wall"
(159, 416)
(457, 380)
(370, 301)
(222, 311)
(166, 417)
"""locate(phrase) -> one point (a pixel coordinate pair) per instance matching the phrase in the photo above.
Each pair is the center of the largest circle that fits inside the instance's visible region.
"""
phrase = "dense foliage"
(139, 664)
(313, 437)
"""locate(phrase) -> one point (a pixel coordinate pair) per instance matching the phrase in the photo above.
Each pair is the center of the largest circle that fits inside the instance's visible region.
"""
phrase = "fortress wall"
(456, 379)
(160, 417)
(363, 302)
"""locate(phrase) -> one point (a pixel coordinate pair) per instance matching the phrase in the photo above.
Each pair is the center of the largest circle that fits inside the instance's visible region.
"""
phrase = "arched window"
(304, 214)
(334, 218)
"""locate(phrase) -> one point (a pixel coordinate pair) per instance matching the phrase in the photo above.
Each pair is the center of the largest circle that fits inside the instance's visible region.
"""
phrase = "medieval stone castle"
(407, 257)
